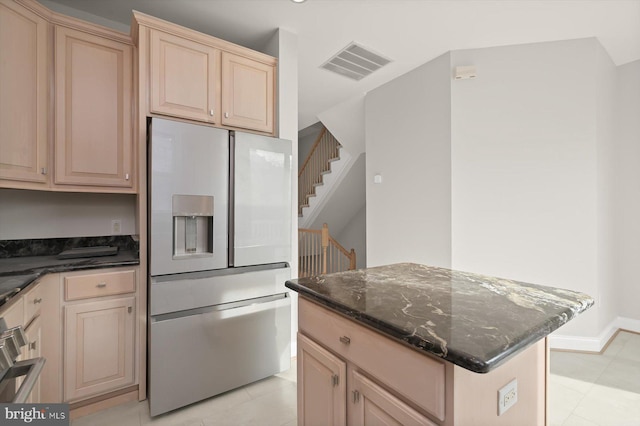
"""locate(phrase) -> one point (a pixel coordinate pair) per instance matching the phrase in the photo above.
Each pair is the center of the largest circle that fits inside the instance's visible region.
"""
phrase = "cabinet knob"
(32, 346)
(335, 380)
(356, 396)
(43, 171)
(126, 176)
(129, 309)
(226, 115)
(37, 300)
(211, 112)
(102, 285)
(345, 340)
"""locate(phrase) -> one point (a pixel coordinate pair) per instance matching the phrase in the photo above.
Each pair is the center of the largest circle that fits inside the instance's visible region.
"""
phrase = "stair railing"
(325, 149)
(319, 253)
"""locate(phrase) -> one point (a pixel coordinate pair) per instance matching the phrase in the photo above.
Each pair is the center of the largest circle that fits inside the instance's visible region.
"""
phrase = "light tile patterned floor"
(585, 390)
(597, 389)
(269, 402)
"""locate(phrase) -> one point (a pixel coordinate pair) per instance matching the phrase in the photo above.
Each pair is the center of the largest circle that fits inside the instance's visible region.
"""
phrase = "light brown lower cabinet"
(374, 405)
(322, 389)
(349, 374)
(327, 385)
(99, 347)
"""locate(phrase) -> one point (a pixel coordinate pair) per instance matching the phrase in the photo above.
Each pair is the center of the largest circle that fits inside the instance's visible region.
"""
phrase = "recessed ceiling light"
(298, 1)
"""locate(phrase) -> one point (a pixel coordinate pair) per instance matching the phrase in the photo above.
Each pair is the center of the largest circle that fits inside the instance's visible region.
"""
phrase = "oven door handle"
(35, 367)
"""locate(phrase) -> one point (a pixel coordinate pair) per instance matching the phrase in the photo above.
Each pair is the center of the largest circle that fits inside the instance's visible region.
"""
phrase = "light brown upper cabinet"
(247, 93)
(194, 76)
(23, 97)
(93, 134)
(183, 78)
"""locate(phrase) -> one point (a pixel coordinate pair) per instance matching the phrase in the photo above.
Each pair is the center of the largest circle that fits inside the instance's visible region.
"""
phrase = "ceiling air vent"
(355, 62)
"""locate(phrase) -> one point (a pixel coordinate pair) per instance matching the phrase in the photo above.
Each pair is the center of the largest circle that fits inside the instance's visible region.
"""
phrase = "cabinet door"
(33, 350)
(321, 385)
(183, 78)
(247, 93)
(23, 96)
(373, 405)
(93, 138)
(99, 347)
(50, 346)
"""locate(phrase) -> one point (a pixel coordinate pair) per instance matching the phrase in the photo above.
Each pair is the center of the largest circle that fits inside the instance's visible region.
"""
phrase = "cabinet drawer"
(32, 303)
(416, 377)
(98, 285)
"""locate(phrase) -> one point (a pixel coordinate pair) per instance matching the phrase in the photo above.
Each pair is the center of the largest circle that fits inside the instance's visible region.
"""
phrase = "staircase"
(319, 253)
(325, 150)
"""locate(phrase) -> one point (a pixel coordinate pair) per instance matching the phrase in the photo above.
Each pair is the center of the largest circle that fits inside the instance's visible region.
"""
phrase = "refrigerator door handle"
(232, 199)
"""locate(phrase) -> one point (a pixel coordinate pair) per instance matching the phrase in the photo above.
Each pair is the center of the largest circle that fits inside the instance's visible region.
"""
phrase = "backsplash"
(26, 214)
(53, 246)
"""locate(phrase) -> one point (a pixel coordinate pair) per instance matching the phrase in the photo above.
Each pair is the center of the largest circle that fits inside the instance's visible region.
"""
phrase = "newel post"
(325, 245)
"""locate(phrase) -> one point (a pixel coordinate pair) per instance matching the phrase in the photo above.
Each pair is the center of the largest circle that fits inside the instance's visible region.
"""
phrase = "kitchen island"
(414, 344)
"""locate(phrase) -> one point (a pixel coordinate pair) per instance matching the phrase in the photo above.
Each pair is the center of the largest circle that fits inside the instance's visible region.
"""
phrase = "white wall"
(605, 92)
(524, 167)
(86, 16)
(28, 214)
(345, 121)
(284, 46)
(544, 170)
(407, 127)
(627, 189)
(354, 236)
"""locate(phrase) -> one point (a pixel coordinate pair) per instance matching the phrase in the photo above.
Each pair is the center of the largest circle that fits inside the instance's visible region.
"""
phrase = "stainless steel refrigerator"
(219, 241)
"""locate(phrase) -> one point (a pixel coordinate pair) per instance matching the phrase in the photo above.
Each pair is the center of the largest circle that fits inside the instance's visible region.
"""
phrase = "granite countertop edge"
(461, 359)
(43, 265)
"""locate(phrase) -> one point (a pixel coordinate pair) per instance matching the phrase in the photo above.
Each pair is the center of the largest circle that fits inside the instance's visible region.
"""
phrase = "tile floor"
(585, 390)
(269, 402)
(597, 390)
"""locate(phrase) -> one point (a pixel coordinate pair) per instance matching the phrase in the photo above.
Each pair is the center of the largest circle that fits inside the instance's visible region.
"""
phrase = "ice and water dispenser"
(192, 226)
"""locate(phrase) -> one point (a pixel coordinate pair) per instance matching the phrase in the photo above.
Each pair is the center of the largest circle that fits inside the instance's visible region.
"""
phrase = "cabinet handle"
(211, 112)
(101, 285)
(335, 380)
(32, 346)
(226, 115)
(43, 171)
(345, 340)
(126, 176)
(129, 309)
(37, 300)
(356, 396)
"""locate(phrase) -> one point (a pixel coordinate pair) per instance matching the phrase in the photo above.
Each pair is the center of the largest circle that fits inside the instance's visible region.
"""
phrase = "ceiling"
(410, 32)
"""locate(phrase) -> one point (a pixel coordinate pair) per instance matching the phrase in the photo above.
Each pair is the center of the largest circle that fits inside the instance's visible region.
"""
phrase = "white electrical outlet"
(507, 396)
(116, 227)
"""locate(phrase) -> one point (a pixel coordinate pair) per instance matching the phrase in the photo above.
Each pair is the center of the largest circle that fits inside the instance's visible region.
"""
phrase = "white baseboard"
(628, 324)
(593, 344)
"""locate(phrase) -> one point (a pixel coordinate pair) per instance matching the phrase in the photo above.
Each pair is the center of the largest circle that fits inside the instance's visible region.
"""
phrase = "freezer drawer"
(200, 353)
(182, 292)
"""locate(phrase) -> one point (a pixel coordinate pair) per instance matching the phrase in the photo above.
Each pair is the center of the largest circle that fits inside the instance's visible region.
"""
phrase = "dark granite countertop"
(19, 272)
(22, 262)
(474, 321)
